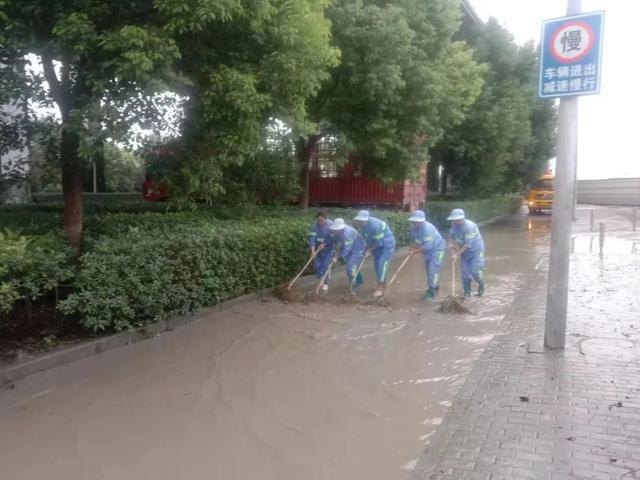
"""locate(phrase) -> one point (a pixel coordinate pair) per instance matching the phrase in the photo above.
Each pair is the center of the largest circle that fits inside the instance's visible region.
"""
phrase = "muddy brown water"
(266, 389)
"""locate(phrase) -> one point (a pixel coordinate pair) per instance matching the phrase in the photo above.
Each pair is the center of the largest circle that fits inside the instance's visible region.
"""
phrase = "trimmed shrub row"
(139, 268)
(32, 268)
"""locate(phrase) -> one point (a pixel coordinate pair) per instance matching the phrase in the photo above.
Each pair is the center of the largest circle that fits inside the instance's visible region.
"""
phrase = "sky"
(608, 124)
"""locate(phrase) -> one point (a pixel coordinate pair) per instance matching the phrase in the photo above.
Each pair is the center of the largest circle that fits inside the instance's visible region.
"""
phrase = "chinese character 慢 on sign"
(571, 41)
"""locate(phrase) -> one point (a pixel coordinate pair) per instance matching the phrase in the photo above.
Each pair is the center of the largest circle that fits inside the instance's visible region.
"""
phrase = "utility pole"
(563, 205)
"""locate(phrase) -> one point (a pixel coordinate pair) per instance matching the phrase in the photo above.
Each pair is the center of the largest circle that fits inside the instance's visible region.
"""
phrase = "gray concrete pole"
(558, 287)
(575, 196)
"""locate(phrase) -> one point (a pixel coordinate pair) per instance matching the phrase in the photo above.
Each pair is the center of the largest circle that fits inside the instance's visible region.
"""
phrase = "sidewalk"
(524, 413)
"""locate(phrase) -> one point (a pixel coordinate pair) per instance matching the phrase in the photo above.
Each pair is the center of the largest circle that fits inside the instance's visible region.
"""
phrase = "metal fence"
(616, 191)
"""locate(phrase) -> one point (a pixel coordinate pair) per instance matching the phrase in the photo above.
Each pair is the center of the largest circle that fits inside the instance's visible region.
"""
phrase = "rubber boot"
(481, 288)
(430, 294)
(467, 287)
(359, 280)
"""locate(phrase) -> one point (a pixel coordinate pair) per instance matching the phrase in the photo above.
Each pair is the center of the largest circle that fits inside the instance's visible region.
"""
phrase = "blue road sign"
(571, 55)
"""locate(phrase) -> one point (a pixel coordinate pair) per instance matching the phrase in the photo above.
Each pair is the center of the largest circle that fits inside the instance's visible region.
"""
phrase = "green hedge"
(476, 210)
(140, 277)
(31, 268)
(139, 268)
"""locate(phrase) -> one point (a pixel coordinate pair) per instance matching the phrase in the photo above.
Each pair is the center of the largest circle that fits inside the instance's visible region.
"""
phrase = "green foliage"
(245, 62)
(124, 169)
(400, 84)
(508, 135)
(480, 210)
(270, 176)
(32, 267)
(139, 277)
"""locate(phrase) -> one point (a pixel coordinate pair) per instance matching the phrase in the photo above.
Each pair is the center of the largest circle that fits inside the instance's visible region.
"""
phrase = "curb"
(13, 373)
(57, 358)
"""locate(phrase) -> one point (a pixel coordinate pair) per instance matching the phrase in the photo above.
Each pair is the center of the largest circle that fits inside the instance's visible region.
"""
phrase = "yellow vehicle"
(540, 196)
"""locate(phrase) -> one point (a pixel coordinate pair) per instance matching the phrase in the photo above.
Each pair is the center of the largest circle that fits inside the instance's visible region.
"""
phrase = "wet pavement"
(272, 390)
(527, 413)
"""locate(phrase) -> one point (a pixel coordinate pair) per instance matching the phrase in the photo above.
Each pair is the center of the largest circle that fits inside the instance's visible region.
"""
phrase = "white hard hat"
(456, 214)
(338, 224)
(417, 216)
(363, 216)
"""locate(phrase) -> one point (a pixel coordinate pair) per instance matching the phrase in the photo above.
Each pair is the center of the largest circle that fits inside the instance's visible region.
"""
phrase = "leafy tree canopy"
(508, 136)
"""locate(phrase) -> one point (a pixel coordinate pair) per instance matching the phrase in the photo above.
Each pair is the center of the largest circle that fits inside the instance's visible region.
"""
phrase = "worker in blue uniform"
(468, 245)
(428, 242)
(321, 245)
(381, 243)
(350, 246)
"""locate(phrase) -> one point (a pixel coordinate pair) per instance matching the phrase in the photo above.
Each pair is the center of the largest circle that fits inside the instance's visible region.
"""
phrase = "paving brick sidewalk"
(529, 414)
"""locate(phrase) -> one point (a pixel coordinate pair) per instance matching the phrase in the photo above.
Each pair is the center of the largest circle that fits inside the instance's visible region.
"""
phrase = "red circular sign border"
(587, 50)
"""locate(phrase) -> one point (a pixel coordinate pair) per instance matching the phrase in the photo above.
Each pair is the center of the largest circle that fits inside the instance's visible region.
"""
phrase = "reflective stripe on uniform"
(384, 271)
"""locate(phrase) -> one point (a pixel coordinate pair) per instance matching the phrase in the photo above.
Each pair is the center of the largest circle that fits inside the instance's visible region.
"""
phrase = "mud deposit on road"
(268, 390)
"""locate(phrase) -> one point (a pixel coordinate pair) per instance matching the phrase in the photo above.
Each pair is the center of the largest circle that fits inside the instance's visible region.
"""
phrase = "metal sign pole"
(563, 204)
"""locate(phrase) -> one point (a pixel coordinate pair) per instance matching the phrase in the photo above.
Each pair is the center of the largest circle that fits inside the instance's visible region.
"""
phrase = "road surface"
(269, 390)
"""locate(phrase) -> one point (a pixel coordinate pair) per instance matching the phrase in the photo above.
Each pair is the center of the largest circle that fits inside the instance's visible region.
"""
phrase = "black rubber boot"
(467, 287)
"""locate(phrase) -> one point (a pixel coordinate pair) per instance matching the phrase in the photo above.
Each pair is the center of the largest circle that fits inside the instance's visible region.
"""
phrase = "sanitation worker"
(467, 245)
(381, 243)
(320, 244)
(428, 241)
(351, 247)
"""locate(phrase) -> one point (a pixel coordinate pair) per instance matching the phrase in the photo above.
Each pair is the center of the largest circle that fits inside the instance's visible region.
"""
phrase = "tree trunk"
(71, 187)
(305, 149)
(101, 177)
(443, 182)
(303, 202)
(61, 92)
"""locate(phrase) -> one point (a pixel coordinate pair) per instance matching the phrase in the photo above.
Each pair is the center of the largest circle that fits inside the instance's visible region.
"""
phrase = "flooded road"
(269, 390)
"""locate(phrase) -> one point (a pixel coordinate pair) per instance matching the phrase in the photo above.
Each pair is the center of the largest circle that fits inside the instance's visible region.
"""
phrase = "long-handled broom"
(453, 304)
(326, 274)
(395, 275)
(311, 258)
(283, 291)
(353, 280)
